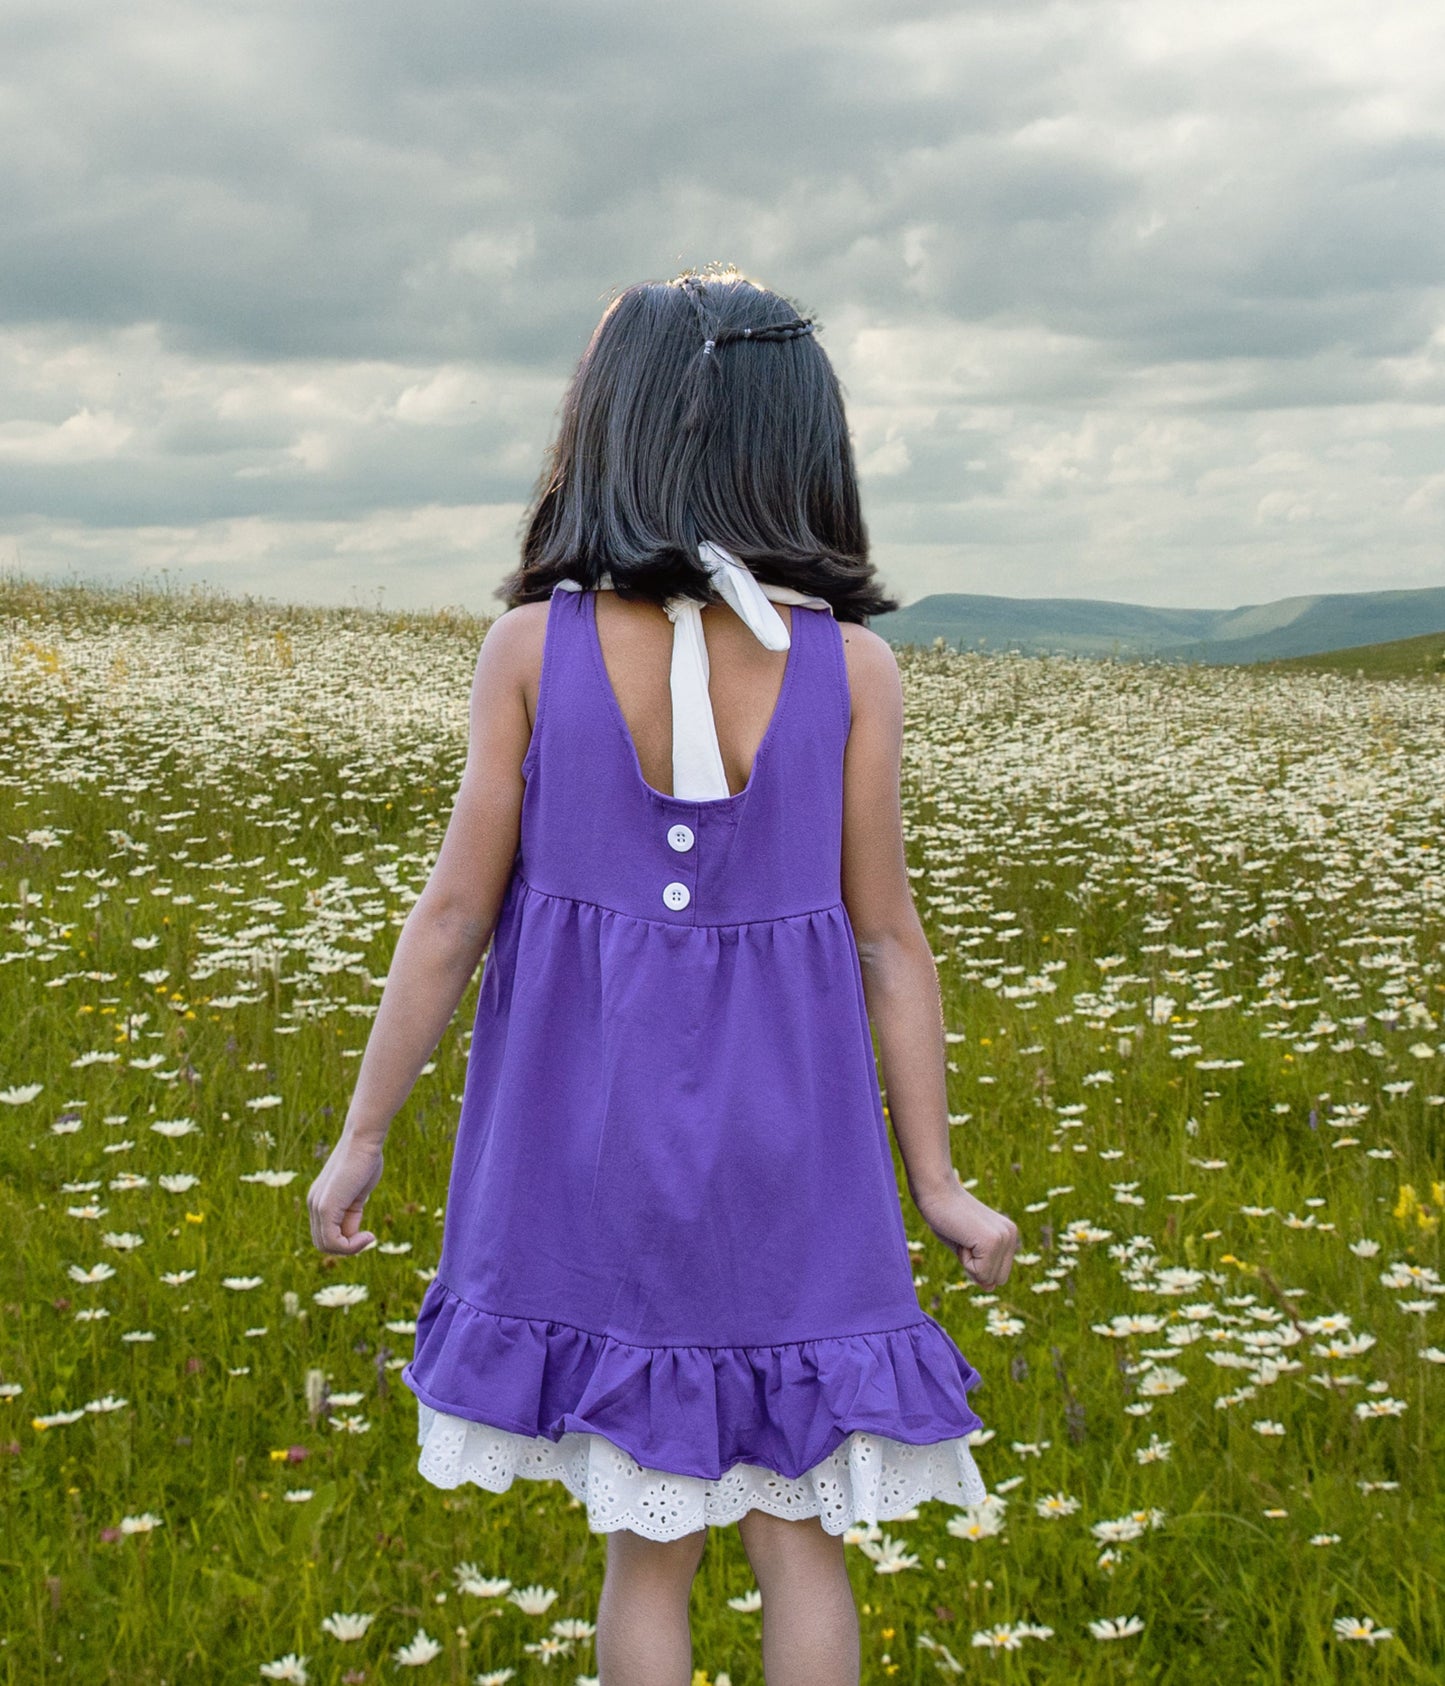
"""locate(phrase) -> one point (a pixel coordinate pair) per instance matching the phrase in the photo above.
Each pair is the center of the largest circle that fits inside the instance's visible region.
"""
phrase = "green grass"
(1401, 658)
(1189, 926)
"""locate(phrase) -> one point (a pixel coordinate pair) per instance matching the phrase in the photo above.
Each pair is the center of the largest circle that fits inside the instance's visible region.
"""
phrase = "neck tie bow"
(697, 764)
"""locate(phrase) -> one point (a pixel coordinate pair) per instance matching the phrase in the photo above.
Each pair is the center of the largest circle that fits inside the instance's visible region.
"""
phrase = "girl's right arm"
(900, 979)
(450, 925)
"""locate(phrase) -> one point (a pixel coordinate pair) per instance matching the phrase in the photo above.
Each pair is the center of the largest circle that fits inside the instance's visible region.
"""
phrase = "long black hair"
(702, 408)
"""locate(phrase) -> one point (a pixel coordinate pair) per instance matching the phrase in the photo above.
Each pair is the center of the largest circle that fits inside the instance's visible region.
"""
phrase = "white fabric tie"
(697, 764)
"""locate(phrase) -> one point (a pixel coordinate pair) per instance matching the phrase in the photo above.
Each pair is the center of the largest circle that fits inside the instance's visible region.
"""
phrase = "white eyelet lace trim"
(869, 1478)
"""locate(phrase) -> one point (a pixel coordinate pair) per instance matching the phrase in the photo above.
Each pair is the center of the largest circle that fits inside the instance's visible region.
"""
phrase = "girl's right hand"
(985, 1241)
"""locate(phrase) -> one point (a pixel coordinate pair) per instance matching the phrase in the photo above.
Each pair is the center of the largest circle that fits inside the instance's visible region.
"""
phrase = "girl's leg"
(643, 1634)
(810, 1622)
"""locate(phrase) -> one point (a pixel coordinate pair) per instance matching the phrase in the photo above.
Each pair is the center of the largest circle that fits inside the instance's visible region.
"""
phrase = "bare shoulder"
(517, 630)
(510, 658)
(514, 639)
(873, 678)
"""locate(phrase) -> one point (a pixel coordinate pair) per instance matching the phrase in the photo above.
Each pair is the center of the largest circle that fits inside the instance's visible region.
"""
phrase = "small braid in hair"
(793, 330)
(706, 378)
(692, 286)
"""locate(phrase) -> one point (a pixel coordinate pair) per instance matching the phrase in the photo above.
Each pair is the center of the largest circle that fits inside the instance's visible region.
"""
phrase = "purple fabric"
(673, 1217)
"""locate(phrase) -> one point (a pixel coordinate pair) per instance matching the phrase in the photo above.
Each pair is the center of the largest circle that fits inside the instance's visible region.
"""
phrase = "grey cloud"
(1038, 212)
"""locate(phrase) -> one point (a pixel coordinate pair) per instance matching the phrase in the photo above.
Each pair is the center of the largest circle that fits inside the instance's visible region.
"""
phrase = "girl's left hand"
(336, 1197)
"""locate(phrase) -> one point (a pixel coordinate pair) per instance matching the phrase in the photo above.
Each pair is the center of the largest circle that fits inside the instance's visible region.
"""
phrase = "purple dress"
(674, 1271)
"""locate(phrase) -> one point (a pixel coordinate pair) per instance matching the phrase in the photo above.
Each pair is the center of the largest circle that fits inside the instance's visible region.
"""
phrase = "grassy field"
(1191, 931)
(1402, 658)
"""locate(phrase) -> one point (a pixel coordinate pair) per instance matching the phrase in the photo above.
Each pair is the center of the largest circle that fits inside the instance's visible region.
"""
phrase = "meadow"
(1190, 926)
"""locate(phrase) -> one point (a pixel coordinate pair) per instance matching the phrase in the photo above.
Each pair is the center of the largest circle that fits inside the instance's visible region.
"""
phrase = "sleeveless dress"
(674, 1272)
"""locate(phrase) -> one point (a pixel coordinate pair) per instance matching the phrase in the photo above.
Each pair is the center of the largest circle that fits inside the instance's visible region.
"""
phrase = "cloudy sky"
(1141, 301)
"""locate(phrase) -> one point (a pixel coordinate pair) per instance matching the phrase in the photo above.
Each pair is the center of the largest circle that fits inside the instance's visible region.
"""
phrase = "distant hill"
(1290, 626)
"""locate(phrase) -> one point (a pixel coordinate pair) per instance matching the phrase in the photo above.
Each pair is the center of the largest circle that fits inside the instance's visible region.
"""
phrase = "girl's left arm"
(447, 930)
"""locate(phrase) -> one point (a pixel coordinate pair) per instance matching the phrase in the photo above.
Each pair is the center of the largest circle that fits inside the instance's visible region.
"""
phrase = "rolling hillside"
(1290, 626)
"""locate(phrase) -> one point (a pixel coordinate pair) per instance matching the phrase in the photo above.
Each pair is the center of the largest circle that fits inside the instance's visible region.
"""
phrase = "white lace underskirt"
(869, 1478)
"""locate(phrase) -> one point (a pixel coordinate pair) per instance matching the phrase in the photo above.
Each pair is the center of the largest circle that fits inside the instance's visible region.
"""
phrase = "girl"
(674, 1272)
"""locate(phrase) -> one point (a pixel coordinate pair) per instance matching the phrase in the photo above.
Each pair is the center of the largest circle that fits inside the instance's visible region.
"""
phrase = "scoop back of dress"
(674, 1271)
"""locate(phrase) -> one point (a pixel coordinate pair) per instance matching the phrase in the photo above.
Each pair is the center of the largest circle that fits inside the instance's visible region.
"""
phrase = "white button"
(676, 895)
(680, 837)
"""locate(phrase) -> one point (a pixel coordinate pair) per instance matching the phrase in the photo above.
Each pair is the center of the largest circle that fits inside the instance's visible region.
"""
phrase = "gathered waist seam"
(674, 925)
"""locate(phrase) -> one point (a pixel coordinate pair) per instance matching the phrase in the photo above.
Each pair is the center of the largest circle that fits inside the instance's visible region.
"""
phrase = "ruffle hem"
(665, 1440)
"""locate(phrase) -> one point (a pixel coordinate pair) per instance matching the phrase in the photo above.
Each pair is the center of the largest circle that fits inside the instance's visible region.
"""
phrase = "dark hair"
(666, 440)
